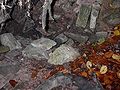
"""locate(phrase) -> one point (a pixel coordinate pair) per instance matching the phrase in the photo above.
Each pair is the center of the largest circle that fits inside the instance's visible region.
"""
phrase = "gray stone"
(35, 52)
(83, 16)
(63, 54)
(69, 82)
(4, 80)
(98, 36)
(113, 19)
(69, 42)
(38, 48)
(101, 35)
(94, 15)
(55, 82)
(115, 3)
(61, 38)
(9, 40)
(77, 37)
(44, 43)
(6, 69)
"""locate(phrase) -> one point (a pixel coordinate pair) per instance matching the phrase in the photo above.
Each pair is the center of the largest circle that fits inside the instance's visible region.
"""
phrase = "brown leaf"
(108, 54)
(34, 73)
(13, 83)
(118, 74)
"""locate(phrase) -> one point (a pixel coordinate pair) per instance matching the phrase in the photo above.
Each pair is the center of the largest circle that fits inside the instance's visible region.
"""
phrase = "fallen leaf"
(34, 73)
(116, 32)
(108, 80)
(103, 69)
(116, 57)
(108, 54)
(118, 74)
(84, 74)
(89, 64)
(13, 83)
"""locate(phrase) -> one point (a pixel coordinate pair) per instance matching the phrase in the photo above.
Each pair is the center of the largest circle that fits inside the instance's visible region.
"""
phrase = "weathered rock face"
(43, 43)
(9, 40)
(115, 3)
(68, 82)
(63, 54)
(6, 69)
(57, 82)
(113, 18)
(38, 48)
(83, 16)
(61, 38)
(77, 37)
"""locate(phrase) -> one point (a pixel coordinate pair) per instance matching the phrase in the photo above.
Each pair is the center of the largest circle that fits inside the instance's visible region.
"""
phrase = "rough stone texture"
(63, 54)
(7, 69)
(55, 83)
(38, 48)
(94, 15)
(5, 80)
(113, 18)
(68, 82)
(77, 37)
(115, 3)
(9, 40)
(61, 38)
(83, 16)
(44, 43)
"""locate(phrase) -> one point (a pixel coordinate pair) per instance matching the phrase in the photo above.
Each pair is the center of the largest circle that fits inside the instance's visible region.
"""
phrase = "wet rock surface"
(43, 44)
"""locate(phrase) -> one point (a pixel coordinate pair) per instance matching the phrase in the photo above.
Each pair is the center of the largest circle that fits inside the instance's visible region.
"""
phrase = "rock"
(83, 16)
(29, 25)
(4, 49)
(9, 40)
(35, 52)
(4, 80)
(115, 3)
(69, 82)
(98, 36)
(58, 82)
(101, 35)
(61, 38)
(69, 42)
(63, 54)
(113, 18)
(24, 41)
(38, 48)
(6, 69)
(94, 15)
(44, 43)
(11, 55)
(92, 38)
(77, 37)
(19, 14)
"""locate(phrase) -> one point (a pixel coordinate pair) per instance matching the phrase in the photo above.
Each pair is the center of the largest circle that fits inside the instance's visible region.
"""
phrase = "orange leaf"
(84, 74)
(108, 54)
(34, 73)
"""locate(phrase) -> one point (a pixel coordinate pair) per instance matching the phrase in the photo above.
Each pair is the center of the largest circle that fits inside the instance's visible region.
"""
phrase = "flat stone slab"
(83, 16)
(63, 54)
(38, 48)
(7, 39)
